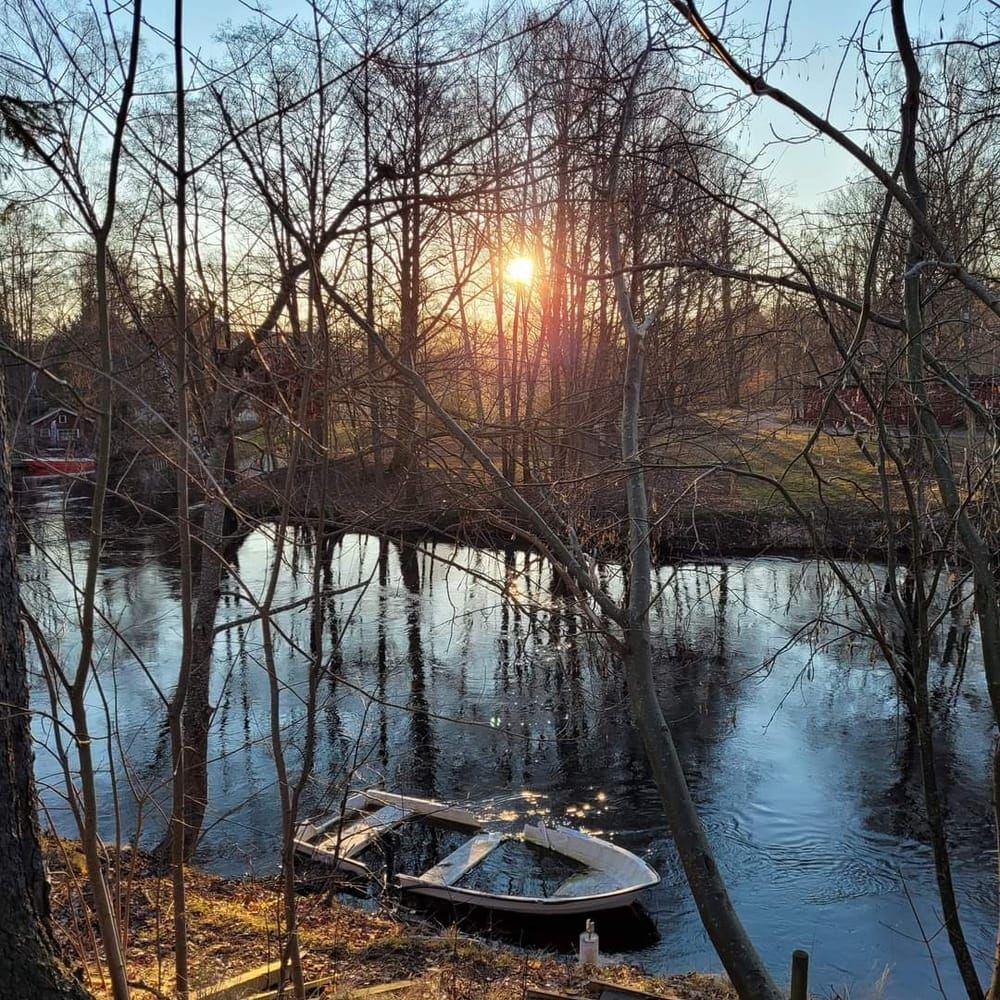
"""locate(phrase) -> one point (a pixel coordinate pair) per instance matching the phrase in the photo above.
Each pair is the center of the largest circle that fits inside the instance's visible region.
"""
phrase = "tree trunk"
(409, 310)
(175, 833)
(744, 966)
(197, 709)
(30, 967)
(932, 438)
(104, 908)
(939, 843)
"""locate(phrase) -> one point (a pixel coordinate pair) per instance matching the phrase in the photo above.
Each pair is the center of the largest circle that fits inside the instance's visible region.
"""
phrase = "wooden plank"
(351, 993)
(308, 830)
(370, 991)
(430, 808)
(238, 987)
(356, 837)
(612, 991)
(450, 869)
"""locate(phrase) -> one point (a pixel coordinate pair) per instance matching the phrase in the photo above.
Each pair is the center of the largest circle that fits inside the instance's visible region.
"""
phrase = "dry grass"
(840, 475)
(233, 927)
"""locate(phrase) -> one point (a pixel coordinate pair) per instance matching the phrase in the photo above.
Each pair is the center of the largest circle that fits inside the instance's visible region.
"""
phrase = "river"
(458, 673)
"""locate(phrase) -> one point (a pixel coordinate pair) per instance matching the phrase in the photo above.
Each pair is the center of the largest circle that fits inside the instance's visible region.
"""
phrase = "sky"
(805, 171)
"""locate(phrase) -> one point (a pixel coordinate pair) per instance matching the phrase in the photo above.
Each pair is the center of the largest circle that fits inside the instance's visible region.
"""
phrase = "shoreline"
(233, 928)
(705, 523)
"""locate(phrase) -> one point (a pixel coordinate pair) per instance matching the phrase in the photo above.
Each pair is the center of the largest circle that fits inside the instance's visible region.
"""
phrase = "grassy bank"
(233, 927)
(719, 483)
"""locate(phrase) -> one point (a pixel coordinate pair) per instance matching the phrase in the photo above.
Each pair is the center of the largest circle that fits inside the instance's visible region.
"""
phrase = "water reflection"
(443, 683)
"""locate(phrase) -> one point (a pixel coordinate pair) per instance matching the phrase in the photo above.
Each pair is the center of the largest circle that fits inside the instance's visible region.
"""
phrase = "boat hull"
(59, 466)
(548, 906)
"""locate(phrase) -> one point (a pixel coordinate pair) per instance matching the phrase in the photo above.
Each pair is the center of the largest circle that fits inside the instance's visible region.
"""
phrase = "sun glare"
(520, 270)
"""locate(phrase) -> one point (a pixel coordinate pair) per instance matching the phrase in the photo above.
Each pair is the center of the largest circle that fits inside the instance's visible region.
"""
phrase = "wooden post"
(800, 975)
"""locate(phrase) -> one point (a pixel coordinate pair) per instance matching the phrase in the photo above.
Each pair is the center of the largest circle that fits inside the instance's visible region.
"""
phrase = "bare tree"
(59, 155)
(30, 964)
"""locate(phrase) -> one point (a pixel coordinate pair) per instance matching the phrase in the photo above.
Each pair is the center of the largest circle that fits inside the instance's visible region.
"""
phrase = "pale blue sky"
(816, 39)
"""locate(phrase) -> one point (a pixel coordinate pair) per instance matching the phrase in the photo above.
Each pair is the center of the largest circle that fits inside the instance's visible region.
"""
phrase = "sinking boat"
(54, 465)
(595, 875)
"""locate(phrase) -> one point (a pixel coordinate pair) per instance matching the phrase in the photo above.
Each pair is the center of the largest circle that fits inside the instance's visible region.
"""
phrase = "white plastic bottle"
(589, 950)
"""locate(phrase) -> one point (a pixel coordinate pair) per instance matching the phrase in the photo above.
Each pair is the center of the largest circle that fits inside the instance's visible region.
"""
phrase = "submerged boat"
(54, 465)
(595, 875)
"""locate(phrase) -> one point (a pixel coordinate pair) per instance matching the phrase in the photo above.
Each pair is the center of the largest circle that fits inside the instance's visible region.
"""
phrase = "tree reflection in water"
(445, 684)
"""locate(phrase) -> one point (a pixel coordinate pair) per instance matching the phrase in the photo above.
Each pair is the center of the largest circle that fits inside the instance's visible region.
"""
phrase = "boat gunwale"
(605, 845)
(551, 901)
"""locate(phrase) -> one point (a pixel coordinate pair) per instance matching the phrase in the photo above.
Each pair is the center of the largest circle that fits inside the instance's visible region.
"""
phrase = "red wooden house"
(850, 404)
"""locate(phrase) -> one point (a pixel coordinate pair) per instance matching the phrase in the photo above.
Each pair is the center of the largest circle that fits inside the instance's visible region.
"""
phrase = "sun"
(520, 270)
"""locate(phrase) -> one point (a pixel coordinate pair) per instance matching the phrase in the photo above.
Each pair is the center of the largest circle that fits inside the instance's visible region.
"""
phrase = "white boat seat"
(355, 838)
(450, 869)
(589, 883)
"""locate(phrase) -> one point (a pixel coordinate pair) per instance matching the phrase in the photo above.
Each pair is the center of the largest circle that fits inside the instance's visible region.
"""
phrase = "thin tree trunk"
(743, 964)
(406, 418)
(932, 436)
(77, 691)
(197, 709)
(176, 707)
(274, 688)
(374, 401)
(939, 844)
(30, 966)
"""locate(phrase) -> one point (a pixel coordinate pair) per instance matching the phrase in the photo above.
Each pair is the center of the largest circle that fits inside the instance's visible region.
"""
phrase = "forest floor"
(233, 928)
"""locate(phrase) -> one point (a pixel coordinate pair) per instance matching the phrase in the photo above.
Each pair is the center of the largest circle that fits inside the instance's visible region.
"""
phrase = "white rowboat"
(610, 876)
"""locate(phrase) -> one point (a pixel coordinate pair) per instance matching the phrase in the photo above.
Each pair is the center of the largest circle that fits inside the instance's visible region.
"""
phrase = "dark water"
(790, 732)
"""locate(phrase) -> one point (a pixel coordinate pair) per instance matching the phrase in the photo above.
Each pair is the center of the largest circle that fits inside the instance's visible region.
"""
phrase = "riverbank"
(232, 928)
(710, 518)
(719, 484)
